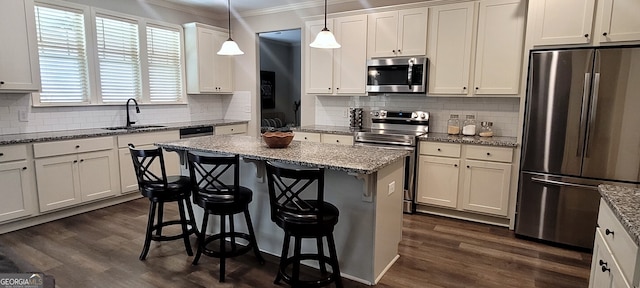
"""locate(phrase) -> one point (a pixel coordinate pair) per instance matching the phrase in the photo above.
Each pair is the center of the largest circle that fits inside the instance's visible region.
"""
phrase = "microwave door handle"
(410, 73)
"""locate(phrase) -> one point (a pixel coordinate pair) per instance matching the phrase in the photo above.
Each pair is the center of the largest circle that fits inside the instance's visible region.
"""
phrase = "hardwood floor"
(101, 248)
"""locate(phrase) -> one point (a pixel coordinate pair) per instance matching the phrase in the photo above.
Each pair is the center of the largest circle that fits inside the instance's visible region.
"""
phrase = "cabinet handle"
(607, 232)
(77, 146)
(605, 34)
(586, 35)
(603, 265)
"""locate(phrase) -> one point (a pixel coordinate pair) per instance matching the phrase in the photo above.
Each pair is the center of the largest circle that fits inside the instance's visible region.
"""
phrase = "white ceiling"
(288, 36)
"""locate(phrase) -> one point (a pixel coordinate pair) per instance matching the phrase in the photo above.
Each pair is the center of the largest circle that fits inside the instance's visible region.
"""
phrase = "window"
(63, 55)
(118, 59)
(164, 64)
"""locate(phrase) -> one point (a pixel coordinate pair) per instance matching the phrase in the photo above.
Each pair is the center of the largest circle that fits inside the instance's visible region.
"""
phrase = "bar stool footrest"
(319, 282)
(238, 250)
(154, 237)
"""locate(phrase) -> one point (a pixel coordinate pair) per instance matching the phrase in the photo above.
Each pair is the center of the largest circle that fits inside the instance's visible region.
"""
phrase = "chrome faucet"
(129, 122)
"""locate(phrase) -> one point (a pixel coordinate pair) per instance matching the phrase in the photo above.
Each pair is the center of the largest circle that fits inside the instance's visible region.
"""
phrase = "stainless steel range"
(398, 130)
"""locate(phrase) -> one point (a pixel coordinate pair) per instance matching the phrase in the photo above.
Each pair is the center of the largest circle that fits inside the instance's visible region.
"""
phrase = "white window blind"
(165, 64)
(63, 56)
(118, 59)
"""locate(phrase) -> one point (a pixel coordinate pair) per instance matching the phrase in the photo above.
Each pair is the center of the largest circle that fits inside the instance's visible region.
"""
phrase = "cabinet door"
(231, 129)
(499, 47)
(206, 56)
(58, 182)
(599, 278)
(486, 187)
(382, 34)
(337, 139)
(223, 65)
(98, 175)
(319, 62)
(20, 69)
(563, 22)
(619, 23)
(412, 32)
(16, 190)
(450, 34)
(306, 136)
(128, 180)
(350, 63)
(438, 181)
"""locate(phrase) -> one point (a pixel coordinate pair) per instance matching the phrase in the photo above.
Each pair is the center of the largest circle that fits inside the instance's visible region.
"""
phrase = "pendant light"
(325, 39)
(230, 47)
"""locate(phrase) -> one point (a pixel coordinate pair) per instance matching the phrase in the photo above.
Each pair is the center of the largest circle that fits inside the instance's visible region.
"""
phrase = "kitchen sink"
(134, 127)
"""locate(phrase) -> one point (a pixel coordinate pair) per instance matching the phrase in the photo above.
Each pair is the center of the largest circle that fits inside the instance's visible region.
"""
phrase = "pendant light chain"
(325, 14)
(229, 11)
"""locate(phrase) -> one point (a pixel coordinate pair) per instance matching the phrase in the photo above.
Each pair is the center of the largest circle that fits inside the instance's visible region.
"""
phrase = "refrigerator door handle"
(592, 112)
(583, 113)
(560, 183)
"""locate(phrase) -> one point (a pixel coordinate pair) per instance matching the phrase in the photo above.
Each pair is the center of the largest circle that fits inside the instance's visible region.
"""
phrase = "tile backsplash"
(503, 111)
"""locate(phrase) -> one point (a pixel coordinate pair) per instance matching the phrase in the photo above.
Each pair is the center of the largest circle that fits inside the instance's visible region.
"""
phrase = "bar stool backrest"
(143, 162)
(208, 174)
(286, 186)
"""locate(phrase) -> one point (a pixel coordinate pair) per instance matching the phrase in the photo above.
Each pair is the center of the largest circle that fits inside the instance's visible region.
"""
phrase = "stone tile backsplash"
(503, 111)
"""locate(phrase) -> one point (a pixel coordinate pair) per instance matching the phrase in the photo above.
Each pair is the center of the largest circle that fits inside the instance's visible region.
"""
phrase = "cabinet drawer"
(72, 146)
(488, 153)
(12, 153)
(306, 136)
(621, 244)
(139, 139)
(231, 129)
(337, 139)
(440, 149)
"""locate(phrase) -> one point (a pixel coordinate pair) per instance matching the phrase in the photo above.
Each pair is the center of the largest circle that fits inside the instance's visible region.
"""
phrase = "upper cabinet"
(20, 69)
(397, 33)
(207, 72)
(570, 22)
(339, 71)
(487, 64)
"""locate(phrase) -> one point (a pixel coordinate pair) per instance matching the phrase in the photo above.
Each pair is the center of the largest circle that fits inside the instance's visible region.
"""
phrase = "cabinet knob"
(81, 160)
(586, 35)
(455, 165)
(329, 88)
(1, 82)
(464, 88)
(75, 161)
(305, 138)
(394, 51)
(77, 146)
(338, 88)
(468, 166)
(488, 153)
(399, 51)
(605, 34)
(477, 88)
(607, 232)
(439, 149)
(1, 154)
(24, 168)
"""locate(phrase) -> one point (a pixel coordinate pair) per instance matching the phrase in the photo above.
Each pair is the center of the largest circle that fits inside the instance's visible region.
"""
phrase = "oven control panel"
(400, 120)
(416, 116)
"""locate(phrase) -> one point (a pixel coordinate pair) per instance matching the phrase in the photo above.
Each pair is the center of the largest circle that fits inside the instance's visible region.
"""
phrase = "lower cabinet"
(68, 178)
(16, 180)
(324, 138)
(465, 177)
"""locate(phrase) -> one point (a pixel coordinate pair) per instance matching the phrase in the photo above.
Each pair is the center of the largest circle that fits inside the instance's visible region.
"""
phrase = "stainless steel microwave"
(397, 75)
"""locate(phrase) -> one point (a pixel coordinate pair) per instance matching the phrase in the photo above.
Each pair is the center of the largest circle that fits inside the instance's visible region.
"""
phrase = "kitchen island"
(363, 182)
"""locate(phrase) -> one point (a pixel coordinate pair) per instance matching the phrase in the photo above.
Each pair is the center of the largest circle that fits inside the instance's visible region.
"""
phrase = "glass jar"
(469, 126)
(486, 129)
(453, 125)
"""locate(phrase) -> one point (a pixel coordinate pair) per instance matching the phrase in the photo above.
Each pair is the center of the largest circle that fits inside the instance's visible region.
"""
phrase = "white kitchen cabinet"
(563, 22)
(336, 139)
(231, 129)
(128, 180)
(74, 171)
(16, 179)
(498, 57)
(306, 136)
(20, 69)
(339, 71)
(470, 178)
(397, 33)
(618, 23)
(616, 257)
(207, 72)
(449, 47)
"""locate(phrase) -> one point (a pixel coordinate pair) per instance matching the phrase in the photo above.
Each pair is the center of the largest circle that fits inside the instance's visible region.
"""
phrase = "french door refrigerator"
(582, 128)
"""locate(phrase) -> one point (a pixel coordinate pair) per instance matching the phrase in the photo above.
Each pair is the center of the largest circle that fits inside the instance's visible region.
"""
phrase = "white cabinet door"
(438, 181)
(98, 175)
(58, 182)
(319, 62)
(206, 66)
(486, 187)
(412, 32)
(449, 50)
(620, 21)
(337, 139)
(563, 22)
(231, 129)
(382, 34)
(223, 65)
(16, 184)
(19, 68)
(350, 65)
(128, 180)
(306, 136)
(207, 72)
(499, 47)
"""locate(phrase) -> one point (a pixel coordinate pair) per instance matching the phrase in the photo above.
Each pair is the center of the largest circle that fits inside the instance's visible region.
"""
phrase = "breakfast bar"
(364, 183)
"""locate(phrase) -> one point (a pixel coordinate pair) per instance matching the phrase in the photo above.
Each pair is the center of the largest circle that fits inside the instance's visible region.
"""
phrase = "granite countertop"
(355, 159)
(625, 204)
(491, 141)
(98, 132)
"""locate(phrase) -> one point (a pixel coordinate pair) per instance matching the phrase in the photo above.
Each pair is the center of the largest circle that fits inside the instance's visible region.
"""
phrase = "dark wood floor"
(101, 248)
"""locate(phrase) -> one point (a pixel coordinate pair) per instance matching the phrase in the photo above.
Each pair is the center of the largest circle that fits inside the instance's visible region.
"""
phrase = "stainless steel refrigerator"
(582, 128)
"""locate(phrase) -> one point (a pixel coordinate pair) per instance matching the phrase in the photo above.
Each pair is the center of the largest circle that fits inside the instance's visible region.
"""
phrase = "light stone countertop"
(99, 132)
(625, 204)
(354, 159)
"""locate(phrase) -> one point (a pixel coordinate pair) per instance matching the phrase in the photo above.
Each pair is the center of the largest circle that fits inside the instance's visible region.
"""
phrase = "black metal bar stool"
(208, 175)
(160, 189)
(303, 218)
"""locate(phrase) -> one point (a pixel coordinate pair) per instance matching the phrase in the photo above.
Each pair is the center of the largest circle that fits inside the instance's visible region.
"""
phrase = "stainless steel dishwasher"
(196, 132)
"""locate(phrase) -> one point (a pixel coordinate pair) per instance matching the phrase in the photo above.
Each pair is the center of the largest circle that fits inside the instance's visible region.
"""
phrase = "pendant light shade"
(325, 39)
(230, 47)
